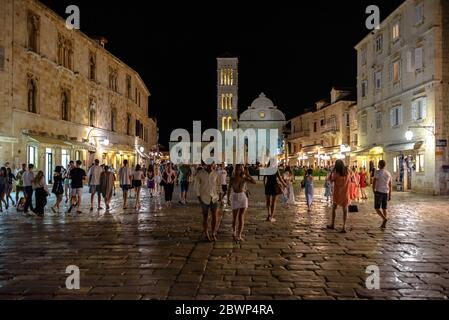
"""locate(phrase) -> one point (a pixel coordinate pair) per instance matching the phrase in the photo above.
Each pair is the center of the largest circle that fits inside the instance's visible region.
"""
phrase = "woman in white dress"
(289, 192)
(239, 200)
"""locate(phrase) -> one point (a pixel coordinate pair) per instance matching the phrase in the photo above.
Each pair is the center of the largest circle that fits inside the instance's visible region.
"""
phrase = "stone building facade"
(64, 97)
(403, 79)
(325, 134)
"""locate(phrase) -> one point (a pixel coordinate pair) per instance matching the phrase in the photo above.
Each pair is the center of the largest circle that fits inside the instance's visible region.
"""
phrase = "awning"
(82, 145)
(49, 141)
(363, 150)
(404, 146)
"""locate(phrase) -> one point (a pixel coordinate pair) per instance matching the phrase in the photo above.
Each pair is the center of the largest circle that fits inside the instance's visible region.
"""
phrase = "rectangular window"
(31, 155)
(378, 80)
(418, 58)
(2, 58)
(77, 155)
(420, 163)
(363, 56)
(347, 120)
(314, 127)
(379, 43)
(396, 116)
(396, 31)
(395, 164)
(379, 120)
(419, 13)
(322, 122)
(396, 71)
(364, 88)
(128, 87)
(419, 109)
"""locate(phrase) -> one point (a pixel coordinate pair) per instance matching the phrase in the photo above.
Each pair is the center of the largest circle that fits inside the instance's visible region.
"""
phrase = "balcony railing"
(330, 129)
(299, 134)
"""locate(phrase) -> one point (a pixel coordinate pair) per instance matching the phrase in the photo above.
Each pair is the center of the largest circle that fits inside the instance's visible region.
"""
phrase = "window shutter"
(424, 107)
(415, 110)
(392, 117)
(418, 58)
(400, 115)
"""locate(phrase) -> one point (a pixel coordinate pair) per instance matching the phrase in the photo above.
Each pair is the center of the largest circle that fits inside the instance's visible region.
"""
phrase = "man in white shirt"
(382, 188)
(125, 178)
(94, 184)
(207, 189)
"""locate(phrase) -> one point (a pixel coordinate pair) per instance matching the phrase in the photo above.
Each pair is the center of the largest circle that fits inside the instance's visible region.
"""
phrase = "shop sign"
(441, 143)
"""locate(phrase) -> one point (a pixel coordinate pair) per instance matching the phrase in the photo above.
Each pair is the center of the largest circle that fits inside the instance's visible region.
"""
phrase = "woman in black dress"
(41, 193)
(274, 185)
(58, 188)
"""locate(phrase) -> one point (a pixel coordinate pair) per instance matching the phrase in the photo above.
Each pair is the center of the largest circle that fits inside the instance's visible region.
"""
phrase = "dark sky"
(292, 51)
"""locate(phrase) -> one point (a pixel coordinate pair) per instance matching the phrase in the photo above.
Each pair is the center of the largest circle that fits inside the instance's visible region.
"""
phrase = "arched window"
(231, 98)
(222, 101)
(65, 105)
(92, 112)
(33, 32)
(229, 123)
(92, 66)
(32, 95)
(223, 124)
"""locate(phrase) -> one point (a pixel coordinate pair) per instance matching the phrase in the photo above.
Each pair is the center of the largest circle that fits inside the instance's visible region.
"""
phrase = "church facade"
(261, 115)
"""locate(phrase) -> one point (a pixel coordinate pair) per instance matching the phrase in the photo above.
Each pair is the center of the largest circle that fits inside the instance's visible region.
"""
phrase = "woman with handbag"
(239, 203)
(58, 188)
(41, 193)
(274, 185)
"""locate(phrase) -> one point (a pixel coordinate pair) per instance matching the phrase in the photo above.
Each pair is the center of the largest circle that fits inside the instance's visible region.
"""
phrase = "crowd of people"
(214, 185)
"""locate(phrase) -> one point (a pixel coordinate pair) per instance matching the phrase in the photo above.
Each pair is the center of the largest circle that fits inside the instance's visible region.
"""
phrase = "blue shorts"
(184, 186)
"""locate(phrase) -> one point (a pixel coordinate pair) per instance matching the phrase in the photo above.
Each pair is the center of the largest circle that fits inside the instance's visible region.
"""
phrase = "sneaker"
(100, 208)
(91, 209)
(78, 211)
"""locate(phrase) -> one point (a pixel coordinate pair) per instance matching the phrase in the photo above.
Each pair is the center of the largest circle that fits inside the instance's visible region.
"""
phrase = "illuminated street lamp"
(409, 134)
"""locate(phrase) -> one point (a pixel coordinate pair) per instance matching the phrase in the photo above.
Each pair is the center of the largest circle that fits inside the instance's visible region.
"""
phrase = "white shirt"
(28, 178)
(95, 172)
(383, 178)
(124, 176)
(207, 186)
(223, 176)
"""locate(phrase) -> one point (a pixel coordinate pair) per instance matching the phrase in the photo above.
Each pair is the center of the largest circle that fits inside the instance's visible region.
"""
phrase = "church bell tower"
(227, 93)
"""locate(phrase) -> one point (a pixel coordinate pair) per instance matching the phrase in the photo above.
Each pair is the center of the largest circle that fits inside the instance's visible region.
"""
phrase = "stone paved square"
(157, 254)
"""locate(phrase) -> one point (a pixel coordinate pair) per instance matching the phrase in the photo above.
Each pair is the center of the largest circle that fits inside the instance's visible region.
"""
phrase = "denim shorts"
(206, 207)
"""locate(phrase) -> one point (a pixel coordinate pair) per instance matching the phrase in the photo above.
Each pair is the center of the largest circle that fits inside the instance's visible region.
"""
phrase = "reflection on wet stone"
(157, 253)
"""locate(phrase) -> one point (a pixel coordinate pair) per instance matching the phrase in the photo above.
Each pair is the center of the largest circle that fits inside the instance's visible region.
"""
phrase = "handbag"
(353, 208)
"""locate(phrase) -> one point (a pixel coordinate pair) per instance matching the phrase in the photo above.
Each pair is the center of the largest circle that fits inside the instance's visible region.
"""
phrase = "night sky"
(292, 51)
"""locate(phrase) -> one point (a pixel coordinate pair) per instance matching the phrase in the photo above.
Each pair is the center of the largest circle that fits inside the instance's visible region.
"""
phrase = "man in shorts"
(125, 178)
(184, 174)
(382, 188)
(224, 183)
(207, 189)
(77, 175)
(94, 184)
